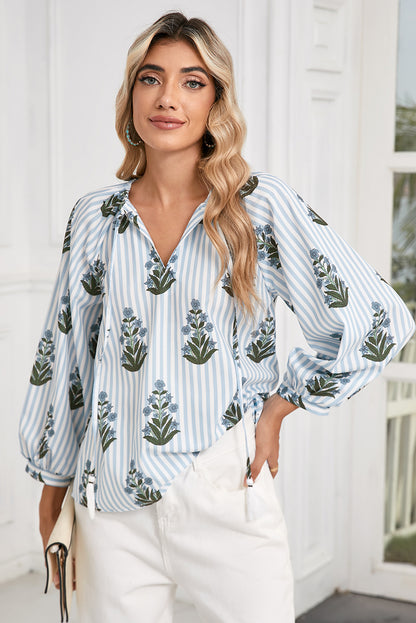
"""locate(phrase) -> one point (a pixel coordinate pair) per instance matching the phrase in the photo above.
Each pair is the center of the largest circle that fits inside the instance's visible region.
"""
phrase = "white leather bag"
(60, 548)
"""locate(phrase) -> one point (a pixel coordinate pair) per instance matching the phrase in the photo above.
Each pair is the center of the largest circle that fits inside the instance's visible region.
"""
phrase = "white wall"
(297, 66)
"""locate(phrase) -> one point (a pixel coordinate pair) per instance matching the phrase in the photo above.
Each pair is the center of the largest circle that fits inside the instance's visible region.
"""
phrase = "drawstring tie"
(255, 504)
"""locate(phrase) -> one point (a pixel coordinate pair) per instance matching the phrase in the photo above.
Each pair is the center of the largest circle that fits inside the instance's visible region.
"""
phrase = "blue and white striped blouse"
(138, 363)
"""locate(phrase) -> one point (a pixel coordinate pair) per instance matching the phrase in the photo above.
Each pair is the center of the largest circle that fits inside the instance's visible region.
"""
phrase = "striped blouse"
(139, 363)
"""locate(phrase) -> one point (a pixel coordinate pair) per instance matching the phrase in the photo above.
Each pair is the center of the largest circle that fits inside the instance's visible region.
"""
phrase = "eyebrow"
(184, 70)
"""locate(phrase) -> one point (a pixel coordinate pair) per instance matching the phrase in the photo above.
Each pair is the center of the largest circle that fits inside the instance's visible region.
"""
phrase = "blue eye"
(146, 78)
(196, 84)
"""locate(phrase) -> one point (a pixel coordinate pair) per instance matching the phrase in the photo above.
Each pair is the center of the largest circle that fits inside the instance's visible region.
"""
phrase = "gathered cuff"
(48, 478)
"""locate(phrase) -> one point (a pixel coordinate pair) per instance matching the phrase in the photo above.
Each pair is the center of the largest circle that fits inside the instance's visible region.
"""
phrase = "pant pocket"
(224, 464)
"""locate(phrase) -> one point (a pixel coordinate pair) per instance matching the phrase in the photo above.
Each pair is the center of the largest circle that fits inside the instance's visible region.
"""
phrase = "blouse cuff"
(48, 478)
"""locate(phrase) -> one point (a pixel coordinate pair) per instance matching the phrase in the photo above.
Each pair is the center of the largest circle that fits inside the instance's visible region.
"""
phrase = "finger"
(256, 466)
(56, 580)
(273, 467)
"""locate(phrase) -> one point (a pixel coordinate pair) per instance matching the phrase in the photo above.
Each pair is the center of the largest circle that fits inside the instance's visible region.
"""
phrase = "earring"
(128, 137)
(208, 140)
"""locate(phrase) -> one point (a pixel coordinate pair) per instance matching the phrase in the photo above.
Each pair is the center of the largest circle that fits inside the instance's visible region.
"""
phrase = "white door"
(384, 424)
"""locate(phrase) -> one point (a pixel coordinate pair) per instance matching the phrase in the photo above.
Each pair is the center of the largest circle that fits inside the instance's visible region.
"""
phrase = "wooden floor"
(23, 600)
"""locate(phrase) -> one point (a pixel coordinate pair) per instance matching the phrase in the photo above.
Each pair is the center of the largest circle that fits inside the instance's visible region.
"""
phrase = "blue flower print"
(226, 284)
(379, 341)
(34, 474)
(48, 431)
(334, 289)
(141, 487)
(92, 280)
(76, 398)
(291, 396)
(105, 417)
(134, 349)
(160, 426)
(263, 344)
(160, 278)
(64, 316)
(42, 368)
(113, 206)
(199, 346)
(232, 414)
(267, 246)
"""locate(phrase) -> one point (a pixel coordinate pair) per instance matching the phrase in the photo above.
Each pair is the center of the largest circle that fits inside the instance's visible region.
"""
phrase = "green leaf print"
(379, 341)
(249, 186)
(34, 474)
(311, 213)
(160, 278)
(42, 368)
(84, 482)
(161, 425)
(316, 218)
(232, 414)
(93, 279)
(67, 238)
(381, 278)
(141, 487)
(134, 349)
(290, 396)
(267, 248)
(113, 205)
(64, 316)
(264, 344)
(48, 431)
(105, 418)
(226, 284)
(335, 290)
(93, 341)
(327, 384)
(199, 346)
(235, 340)
(76, 398)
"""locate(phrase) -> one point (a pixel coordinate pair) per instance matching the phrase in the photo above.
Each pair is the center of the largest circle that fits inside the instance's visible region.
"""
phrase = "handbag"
(60, 548)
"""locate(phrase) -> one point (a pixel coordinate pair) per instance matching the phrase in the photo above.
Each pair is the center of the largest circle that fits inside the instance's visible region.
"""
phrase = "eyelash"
(144, 78)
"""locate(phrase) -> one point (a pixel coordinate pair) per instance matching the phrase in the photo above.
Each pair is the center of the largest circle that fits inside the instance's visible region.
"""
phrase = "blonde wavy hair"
(222, 168)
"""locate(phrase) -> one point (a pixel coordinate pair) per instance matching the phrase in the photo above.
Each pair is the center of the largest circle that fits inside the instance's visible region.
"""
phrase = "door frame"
(377, 161)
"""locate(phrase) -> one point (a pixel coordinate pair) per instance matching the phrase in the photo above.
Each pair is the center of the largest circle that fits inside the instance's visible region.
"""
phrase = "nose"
(168, 96)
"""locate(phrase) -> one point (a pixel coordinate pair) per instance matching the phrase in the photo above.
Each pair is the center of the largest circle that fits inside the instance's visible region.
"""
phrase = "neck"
(172, 177)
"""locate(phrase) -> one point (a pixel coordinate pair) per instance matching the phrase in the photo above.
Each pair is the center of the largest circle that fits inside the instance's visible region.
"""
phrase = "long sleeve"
(352, 320)
(54, 415)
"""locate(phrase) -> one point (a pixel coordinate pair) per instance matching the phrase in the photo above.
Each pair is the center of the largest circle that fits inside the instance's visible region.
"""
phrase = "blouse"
(138, 365)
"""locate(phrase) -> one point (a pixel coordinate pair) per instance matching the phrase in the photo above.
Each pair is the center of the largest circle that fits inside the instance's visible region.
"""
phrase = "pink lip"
(166, 123)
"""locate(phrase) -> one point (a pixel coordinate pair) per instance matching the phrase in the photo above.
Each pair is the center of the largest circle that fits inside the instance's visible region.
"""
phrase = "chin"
(172, 146)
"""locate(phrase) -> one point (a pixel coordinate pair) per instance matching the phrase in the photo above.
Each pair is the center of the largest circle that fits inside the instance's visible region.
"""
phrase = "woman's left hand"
(274, 410)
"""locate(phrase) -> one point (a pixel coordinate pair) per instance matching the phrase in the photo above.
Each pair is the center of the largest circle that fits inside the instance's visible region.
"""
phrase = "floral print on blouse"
(136, 368)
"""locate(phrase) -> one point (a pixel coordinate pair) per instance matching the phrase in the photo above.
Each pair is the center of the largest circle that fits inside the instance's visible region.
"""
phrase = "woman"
(154, 385)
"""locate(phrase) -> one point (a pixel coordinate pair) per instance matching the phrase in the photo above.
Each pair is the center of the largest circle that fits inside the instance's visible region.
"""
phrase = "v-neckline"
(193, 220)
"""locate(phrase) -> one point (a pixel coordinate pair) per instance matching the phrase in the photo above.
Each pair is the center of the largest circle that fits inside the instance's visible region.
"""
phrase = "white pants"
(129, 564)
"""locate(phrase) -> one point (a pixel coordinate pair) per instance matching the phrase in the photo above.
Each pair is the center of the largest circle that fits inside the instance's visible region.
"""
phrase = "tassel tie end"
(255, 504)
(91, 497)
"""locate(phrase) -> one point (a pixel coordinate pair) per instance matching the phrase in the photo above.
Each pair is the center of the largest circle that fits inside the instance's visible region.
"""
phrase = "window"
(400, 496)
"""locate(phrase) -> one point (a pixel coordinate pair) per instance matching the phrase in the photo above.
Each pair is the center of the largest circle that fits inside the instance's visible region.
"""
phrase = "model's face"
(172, 97)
